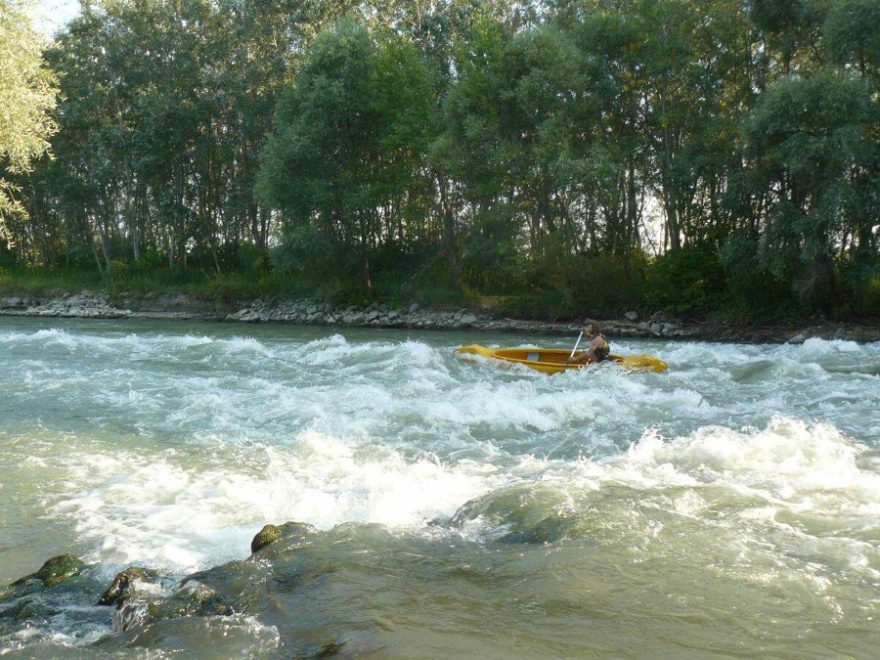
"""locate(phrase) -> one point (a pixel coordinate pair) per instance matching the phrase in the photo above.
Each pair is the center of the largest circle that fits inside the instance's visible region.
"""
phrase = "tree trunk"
(449, 234)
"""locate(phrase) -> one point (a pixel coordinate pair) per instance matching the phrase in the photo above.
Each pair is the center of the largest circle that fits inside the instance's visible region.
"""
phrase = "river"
(729, 506)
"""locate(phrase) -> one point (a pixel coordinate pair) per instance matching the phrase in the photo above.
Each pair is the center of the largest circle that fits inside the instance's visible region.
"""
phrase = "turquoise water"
(729, 506)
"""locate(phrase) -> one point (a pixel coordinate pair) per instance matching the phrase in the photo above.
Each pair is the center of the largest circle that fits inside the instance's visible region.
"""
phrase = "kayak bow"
(553, 361)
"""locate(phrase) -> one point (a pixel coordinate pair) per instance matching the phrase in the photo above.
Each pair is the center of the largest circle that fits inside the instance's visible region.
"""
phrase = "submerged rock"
(330, 650)
(518, 507)
(233, 586)
(192, 599)
(28, 608)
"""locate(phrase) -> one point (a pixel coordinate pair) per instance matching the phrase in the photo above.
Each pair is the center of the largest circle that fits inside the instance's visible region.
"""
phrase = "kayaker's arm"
(588, 355)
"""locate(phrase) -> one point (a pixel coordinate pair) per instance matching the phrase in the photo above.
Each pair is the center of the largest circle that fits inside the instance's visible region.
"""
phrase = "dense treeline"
(583, 155)
(27, 98)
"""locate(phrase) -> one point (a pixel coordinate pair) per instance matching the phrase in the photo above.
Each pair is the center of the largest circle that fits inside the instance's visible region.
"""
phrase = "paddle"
(574, 350)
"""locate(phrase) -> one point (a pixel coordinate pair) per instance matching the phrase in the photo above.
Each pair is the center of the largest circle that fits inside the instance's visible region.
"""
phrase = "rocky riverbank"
(174, 306)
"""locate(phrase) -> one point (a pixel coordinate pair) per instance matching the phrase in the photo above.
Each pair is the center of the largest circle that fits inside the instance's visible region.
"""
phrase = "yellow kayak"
(553, 361)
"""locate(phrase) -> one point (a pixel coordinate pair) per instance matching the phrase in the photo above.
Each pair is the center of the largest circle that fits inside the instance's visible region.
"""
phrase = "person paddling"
(598, 349)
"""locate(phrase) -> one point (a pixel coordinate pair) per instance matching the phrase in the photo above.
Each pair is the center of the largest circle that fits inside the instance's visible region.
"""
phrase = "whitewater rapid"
(169, 446)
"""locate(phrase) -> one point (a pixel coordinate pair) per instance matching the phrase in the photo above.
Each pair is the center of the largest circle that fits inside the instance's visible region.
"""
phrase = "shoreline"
(180, 307)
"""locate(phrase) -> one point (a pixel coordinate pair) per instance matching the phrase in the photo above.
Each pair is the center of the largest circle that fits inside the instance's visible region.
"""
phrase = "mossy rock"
(122, 584)
(269, 534)
(288, 531)
(55, 571)
(58, 569)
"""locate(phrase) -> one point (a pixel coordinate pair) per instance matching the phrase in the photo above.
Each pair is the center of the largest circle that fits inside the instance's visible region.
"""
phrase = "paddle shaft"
(578, 343)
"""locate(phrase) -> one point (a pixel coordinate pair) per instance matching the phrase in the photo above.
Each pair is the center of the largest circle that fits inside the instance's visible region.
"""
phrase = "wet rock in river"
(290, 531)
(799, 338)
(61, 582)
(123, 584)
(193, 599)
(269, 534)
(519, 507)
(55, 571)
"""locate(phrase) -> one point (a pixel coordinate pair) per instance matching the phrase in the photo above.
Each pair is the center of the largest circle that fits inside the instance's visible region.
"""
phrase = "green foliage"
(602, 286)
(752, 289)
(809, 140)
(27, 98)
(605, 286)
(460, 150)
(852, 32)
(349, 131)
(39, 281)
(778, 15)
(690, 280)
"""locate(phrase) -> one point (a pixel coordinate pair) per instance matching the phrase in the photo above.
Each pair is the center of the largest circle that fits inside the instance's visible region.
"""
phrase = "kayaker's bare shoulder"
(599, 348)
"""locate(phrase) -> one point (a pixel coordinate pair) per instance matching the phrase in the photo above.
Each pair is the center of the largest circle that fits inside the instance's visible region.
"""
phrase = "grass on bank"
(692, 284)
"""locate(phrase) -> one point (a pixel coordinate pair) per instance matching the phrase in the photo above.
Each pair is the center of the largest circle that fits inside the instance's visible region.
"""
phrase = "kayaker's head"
(593, 329)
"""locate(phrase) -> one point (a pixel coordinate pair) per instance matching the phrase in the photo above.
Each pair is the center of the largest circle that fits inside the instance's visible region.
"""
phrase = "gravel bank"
(87, 304)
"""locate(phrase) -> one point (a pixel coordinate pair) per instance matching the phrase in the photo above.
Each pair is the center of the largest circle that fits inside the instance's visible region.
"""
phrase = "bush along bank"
(177, 306)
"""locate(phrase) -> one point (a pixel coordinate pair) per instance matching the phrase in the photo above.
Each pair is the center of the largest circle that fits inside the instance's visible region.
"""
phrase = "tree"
(808, 143)
(350, 132)
(27, 98)
(852, 32)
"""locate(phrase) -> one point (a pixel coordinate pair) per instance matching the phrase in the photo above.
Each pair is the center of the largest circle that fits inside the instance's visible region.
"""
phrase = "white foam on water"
(323, 343)
(153, 509)
(184, 341)
(139, 345)
(166, 511)
(815, 345)
(793, 495)
(756, 459)
(789, 460)
(44, 639)
(245, 345)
